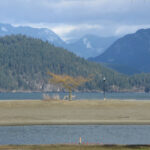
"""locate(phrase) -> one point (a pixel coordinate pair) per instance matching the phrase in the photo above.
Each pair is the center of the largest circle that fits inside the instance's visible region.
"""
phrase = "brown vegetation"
(67, 82)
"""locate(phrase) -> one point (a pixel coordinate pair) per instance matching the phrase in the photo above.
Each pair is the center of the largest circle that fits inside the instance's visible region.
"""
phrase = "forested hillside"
(24, 63)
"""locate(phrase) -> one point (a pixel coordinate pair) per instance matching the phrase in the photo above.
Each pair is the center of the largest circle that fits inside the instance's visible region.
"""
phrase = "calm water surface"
(91, 96)
(46, 134)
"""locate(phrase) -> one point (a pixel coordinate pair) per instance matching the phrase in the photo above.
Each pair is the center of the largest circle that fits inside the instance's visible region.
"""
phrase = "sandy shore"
(41, 112)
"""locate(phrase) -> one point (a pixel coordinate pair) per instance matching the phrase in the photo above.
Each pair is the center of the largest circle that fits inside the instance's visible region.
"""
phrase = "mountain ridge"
(41, 33)
(90, 45)
(132, 50)
(87, 46)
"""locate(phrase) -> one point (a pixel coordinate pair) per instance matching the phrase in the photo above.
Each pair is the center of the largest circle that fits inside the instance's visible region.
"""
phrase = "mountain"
(25, 61)
(41, 33)
(90, 45)
(129, 54)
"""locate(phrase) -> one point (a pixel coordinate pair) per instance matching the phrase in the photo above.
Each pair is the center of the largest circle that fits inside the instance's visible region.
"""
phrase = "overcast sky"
(75, 18)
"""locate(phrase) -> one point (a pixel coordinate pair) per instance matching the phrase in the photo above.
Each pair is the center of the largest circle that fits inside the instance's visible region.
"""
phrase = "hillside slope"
(24, 63)
(131, 51)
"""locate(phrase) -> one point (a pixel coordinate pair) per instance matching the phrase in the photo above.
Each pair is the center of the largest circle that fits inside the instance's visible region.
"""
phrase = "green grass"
(74, 147)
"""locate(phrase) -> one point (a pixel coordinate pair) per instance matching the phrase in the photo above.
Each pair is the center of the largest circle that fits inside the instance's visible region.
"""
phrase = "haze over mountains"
(87, 46)
(129, 54)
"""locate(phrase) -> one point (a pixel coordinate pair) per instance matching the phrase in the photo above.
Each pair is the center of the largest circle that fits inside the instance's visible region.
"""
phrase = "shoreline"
(75, 146)
(88, 91)
(57, 123)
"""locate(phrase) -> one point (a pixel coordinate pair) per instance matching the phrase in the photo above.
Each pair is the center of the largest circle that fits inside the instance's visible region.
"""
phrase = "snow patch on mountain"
(4, 29)
(87, 43)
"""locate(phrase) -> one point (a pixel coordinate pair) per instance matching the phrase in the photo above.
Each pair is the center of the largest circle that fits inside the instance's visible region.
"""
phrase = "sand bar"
(60, 112)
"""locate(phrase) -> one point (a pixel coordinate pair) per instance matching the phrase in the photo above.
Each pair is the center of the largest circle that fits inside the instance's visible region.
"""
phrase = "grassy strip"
(75, 147)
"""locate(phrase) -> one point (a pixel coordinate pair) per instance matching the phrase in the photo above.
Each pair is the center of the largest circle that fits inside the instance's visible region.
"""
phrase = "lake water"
(64, 134)
(78, 95)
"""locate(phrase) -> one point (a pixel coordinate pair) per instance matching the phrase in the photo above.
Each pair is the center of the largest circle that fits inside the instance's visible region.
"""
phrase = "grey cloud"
(109, 13)
(74, 10)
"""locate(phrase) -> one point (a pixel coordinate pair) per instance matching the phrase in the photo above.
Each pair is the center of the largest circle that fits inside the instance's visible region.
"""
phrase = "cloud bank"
(74, 18)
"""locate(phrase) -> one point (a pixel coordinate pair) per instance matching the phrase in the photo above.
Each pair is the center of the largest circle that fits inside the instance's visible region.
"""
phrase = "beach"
(61, 112)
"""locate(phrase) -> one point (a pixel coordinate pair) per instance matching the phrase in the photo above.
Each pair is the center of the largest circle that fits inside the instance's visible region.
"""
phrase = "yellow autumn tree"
(68, 82)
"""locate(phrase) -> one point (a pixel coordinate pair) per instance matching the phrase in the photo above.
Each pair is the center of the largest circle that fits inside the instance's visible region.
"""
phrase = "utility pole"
(104, 79)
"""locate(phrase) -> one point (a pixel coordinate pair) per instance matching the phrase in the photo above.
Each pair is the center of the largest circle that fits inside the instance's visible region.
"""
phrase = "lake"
(64, 134)
(78, 95)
